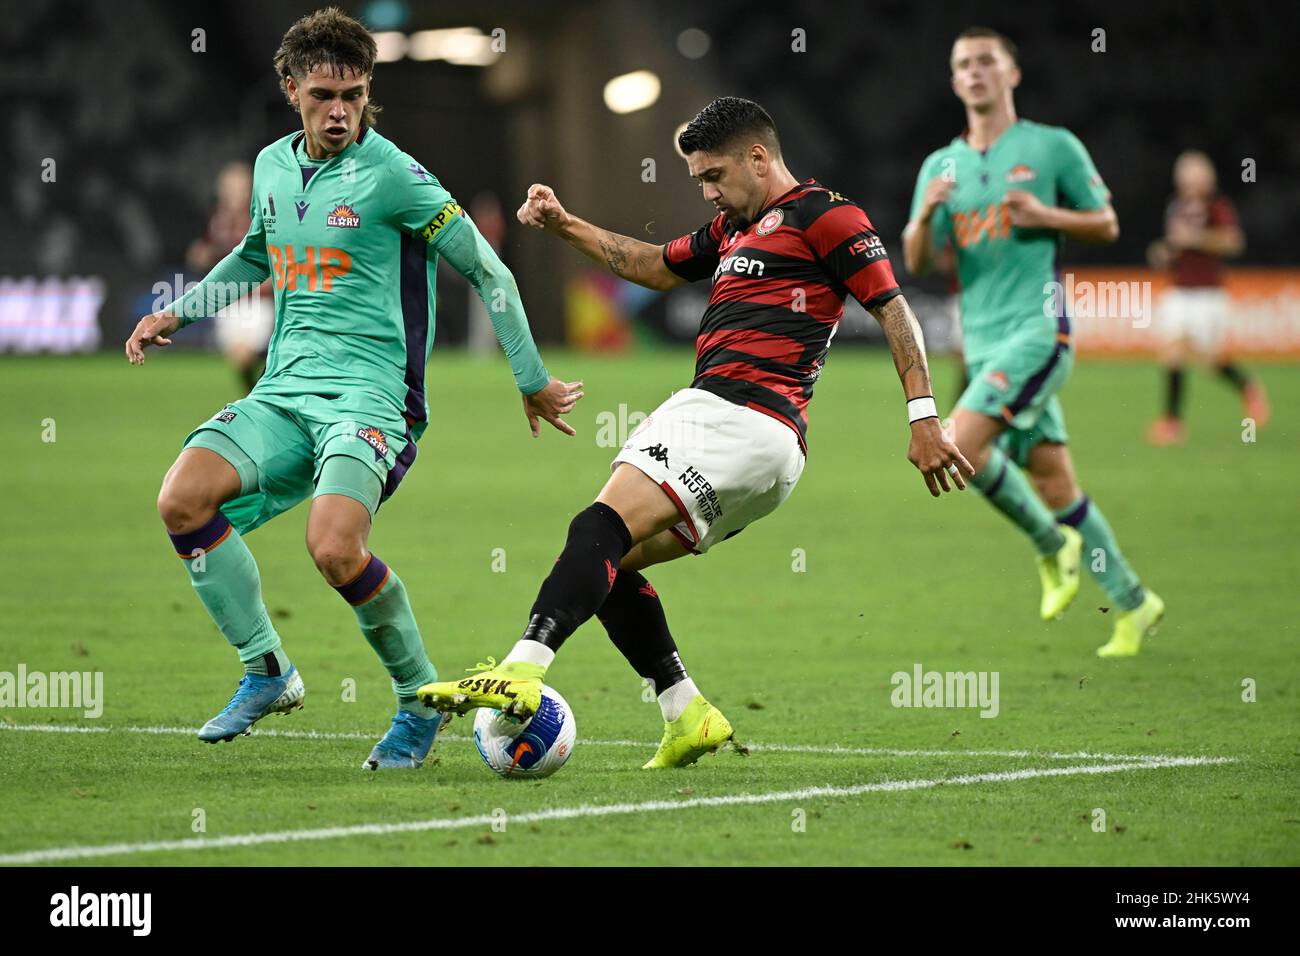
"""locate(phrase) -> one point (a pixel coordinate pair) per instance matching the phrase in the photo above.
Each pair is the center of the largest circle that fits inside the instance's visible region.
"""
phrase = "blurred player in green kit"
(1001, 196)
(349, 228)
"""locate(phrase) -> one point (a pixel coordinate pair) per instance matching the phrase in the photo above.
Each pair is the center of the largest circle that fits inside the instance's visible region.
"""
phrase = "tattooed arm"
(932, 452)
(906, 345)
(631, 259)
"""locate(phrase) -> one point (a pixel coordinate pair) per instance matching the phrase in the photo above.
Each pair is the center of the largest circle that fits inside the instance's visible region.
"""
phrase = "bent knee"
(338, 560)
(1056, 490)
(183, 508)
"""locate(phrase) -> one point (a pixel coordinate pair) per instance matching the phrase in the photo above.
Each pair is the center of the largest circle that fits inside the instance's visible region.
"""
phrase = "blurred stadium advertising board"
(1116, 311)
(50, 315)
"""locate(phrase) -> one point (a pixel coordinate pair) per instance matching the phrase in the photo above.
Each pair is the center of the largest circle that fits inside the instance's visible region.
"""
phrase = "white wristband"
(919, 408)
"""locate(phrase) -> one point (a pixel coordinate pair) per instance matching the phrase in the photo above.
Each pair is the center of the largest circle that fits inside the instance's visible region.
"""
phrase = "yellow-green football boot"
(701, 729)
(514, 688)
(1132, 626)
(1059, 573)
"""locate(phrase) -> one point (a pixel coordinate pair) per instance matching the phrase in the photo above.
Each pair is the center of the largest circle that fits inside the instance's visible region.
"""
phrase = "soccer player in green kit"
(350, 229)
(1002, 195)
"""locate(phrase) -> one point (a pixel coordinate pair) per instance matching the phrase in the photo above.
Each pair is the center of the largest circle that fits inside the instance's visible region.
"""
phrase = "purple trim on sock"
(1076, 514)
(366, 584)
(997, 482)
(203, 539)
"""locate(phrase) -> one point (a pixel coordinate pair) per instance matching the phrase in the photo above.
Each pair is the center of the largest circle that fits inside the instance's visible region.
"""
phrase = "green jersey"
(1006, 272)
(351, 244)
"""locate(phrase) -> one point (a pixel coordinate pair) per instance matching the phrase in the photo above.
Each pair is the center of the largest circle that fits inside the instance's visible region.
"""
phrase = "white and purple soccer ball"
(534, 748)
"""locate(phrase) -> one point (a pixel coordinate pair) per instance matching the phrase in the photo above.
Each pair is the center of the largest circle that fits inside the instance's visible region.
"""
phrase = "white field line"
(62, 854)
(588, 742)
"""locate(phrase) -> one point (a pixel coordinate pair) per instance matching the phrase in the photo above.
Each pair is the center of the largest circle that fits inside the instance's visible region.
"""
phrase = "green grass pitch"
(800, 660)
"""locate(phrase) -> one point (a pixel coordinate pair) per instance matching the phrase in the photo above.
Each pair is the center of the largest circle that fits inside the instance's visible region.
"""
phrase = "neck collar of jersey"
(783, 197)
(301, 137)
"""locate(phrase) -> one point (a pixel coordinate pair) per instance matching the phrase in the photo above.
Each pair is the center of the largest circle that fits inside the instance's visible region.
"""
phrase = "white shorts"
(723, 465)
(248, 322)
(1197, 316)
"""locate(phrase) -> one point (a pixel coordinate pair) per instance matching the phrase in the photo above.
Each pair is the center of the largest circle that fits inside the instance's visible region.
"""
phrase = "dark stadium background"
(139, 124)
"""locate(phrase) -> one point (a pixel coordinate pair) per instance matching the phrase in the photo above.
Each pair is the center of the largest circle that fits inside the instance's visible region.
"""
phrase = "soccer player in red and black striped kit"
(1200, 230)
(782, 255)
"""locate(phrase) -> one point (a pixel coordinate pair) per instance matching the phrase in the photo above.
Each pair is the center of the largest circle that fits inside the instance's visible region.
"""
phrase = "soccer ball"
(534, 748)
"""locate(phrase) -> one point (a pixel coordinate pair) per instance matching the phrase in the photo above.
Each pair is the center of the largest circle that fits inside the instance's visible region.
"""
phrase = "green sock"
(1007, 489)
(1102, 554)
(379, 600)
(269, 665)
(225, 578)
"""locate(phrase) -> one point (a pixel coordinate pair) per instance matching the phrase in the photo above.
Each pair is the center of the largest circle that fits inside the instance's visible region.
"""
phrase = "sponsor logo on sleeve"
(869, 247)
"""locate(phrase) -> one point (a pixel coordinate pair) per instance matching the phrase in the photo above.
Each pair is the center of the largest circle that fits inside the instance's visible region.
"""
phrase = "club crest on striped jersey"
(770, 223)
(375, 439)
(1020, 173)
(343, 216)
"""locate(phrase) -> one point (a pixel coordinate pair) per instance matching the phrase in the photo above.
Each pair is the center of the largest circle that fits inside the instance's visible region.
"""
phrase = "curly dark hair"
(723, 124)
(331, 38)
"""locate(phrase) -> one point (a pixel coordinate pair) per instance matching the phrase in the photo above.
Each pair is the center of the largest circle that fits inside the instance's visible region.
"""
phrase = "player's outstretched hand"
(151, 330)
(541, 209)
(937, 457)
(556, 399)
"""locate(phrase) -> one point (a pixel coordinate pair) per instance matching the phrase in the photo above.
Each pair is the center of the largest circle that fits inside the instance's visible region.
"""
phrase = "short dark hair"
(975, 33)
(725, 121)
(330, 38)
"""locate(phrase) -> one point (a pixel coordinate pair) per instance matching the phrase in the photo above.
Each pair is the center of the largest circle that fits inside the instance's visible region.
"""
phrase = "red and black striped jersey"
(1195, 268)
(778, 294)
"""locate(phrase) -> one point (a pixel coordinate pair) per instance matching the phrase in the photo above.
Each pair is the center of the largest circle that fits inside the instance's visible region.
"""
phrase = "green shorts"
(285, 442)
(1017, 384)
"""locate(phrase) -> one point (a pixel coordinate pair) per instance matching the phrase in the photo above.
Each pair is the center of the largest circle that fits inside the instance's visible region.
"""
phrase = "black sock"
(583, 574)
(634, 619)
(1174, 397)
(1234, 375)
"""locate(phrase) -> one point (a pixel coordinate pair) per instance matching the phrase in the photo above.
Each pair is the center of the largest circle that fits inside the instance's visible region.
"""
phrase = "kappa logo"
(343, 216)
(657, 452)
(376, 440)
(1020, 173)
